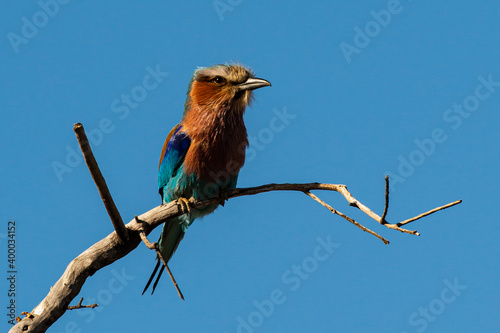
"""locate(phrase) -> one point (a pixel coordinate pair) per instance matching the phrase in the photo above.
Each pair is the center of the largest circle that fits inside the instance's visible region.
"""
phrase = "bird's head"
(223, 87)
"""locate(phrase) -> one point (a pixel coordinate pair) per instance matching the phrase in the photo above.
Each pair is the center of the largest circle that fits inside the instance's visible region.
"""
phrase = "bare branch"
(113, 212)
(386, 206)
(429, 212)
(80, 306)
(144, 238)
(109, 249)
(334, 211)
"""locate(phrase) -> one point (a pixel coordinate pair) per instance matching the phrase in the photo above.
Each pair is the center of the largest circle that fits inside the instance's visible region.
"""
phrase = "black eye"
(217, 79)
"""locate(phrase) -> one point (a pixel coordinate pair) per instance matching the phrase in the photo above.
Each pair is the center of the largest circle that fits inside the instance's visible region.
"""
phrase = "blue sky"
(360, 89)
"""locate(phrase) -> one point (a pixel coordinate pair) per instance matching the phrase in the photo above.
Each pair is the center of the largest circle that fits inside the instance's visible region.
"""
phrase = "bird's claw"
(185, 205)
(223, 197)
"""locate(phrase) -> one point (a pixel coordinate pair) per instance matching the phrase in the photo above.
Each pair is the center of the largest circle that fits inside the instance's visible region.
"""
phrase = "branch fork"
(80, 306)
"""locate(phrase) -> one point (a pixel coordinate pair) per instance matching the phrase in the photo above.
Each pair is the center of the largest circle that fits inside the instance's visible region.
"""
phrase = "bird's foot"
(223, 197)
(185, 205)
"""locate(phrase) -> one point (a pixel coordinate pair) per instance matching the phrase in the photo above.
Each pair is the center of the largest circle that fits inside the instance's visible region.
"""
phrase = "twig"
(144, 238)
(113, 212)
(154, 246)
(169, 272)
(334, 211)
(386, 206)
(429, 212)
(80, 306)
(306, 187)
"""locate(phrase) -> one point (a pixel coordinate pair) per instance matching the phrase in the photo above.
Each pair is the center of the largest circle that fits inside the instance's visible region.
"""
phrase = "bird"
(203, 154)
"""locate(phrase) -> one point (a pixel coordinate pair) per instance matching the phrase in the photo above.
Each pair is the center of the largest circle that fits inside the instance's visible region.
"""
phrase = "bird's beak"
(253, 83)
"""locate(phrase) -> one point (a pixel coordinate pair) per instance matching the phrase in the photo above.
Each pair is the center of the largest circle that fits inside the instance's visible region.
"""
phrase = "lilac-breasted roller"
(203, 154)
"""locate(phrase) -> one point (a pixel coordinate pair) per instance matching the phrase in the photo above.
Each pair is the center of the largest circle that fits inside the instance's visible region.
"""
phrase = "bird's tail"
(170, 238)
